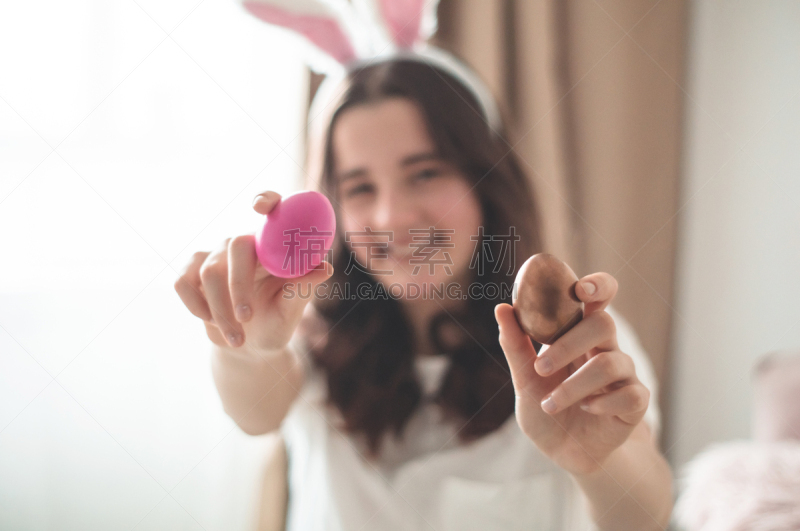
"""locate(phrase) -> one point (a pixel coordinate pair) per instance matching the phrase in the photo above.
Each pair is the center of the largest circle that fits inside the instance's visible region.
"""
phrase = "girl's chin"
(415, 287)
(422, 280)
(419, 280)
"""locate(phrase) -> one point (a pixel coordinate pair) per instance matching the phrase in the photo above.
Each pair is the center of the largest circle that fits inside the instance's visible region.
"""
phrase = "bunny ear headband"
(359, 32)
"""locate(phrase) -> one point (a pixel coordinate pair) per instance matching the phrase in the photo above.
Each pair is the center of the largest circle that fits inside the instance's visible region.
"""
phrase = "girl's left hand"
(587, 369)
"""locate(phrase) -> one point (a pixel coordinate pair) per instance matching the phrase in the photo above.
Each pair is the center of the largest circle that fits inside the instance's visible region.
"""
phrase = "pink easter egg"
(297, 234)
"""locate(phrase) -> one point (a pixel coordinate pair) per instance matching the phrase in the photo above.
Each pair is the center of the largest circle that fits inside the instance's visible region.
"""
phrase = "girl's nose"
(395, 212)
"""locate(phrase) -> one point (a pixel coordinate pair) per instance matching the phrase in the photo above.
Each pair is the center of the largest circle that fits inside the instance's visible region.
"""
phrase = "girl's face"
(391, 180)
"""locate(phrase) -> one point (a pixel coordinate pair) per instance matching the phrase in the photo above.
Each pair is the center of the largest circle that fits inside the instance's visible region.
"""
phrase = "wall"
(739, 254)
(132, 134)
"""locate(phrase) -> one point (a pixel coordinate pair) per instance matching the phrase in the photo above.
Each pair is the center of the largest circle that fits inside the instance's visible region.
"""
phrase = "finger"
(264, 202)
(598, 330)
(308, 282)
(242, 262)
(188, 288)
(318, 275)
(214, 274)
(516, 344)
(629, 403)
(215, 335)
(605, 369)
(596, 291)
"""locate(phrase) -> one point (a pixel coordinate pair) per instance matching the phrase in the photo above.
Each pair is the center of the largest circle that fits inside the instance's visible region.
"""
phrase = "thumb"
(318, 275)
(521, 355)
(324, 271)
(516, 345)
(304, 288)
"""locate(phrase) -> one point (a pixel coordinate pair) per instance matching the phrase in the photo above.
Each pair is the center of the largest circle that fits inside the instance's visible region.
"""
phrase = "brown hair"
(367, 349)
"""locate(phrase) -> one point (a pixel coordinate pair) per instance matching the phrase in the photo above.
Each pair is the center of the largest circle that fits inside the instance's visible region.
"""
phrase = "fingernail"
(233, 339)
(549, 405)
(544, 365)
(242, 312)
(263, 195)
(589, 288)
(585, 407)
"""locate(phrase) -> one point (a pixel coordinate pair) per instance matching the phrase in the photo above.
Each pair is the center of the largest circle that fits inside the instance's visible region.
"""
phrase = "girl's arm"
(250, 324)
(256, 389)
(633, 487)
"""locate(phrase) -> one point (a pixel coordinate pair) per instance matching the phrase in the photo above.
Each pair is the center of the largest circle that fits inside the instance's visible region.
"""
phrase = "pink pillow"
(741, 485)
(751, 485)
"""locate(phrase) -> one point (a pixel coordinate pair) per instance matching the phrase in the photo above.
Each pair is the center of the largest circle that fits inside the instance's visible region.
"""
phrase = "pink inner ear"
(322, 31)
(403, 18)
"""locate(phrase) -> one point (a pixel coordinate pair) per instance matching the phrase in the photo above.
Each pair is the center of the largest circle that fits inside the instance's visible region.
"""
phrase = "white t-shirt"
(430, 481)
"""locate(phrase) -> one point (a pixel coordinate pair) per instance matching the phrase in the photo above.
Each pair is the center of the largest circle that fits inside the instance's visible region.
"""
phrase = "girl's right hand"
(240, 303)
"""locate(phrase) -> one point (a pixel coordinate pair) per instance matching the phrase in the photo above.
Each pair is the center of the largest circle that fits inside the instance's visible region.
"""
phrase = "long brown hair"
(365, 346)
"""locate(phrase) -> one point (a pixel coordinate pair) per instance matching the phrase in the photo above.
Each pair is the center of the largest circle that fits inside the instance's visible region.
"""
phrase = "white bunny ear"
(331, 25)
(404, 23)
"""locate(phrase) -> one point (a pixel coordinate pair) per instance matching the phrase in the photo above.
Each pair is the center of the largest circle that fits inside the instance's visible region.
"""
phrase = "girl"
(401, 409)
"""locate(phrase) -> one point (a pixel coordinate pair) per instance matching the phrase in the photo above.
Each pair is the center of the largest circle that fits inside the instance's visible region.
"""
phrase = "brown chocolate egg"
(544, 298)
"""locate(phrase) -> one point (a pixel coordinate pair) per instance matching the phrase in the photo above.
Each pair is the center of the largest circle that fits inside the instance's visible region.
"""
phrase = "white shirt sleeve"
(629, 344)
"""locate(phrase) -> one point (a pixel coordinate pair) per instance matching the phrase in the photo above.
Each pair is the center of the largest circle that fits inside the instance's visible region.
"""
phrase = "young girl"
(404, 410)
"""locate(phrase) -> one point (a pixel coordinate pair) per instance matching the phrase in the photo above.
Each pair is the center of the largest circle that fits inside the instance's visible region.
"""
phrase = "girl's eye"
(428, 173)
(356, 190)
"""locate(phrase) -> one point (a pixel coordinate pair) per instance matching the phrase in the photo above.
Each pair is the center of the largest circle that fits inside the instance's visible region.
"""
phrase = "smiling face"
(390, 178)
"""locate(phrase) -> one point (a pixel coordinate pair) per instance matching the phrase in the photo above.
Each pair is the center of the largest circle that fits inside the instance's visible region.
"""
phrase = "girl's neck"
(420, 313)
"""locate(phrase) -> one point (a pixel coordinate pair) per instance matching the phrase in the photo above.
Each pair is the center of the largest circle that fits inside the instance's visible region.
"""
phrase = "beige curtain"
(592, 90)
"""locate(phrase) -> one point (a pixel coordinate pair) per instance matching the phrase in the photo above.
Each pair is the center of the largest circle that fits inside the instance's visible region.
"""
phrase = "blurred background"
(661, 137)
